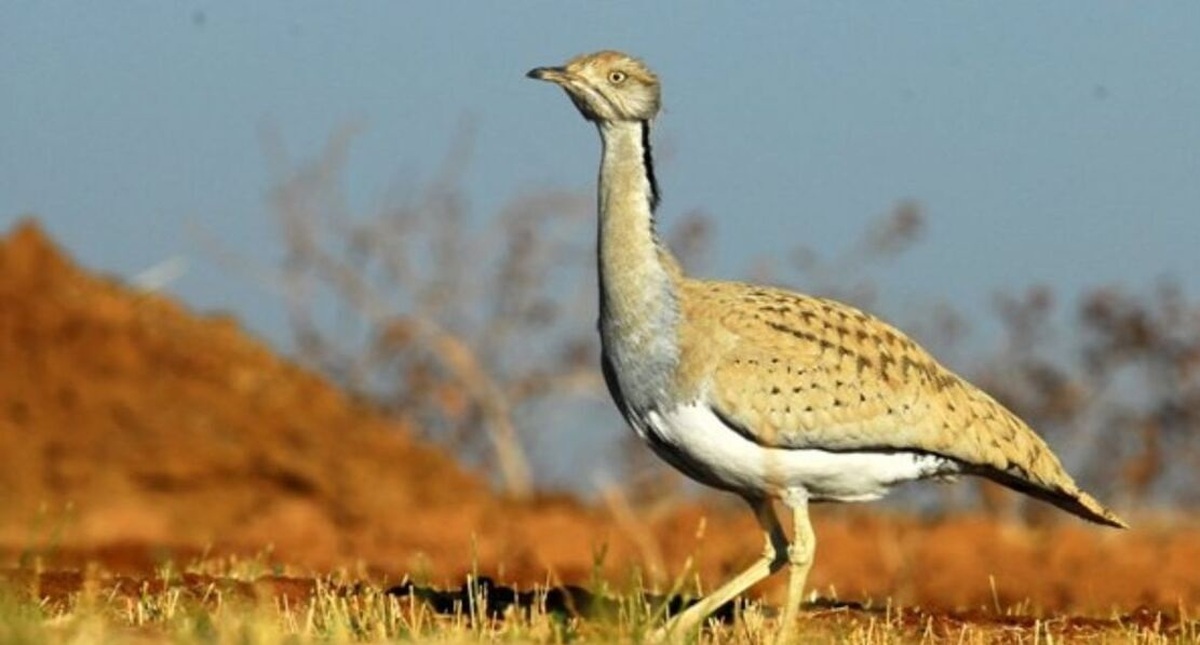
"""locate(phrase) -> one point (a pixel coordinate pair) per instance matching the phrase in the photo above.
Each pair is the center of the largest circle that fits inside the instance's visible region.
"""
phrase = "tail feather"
(1072, 499)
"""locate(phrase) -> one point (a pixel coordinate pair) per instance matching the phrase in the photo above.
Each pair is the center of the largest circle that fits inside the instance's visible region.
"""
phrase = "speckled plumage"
(794, 371)
(767, 393)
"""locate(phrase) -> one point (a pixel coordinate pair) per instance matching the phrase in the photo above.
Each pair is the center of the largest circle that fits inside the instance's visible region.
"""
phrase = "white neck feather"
(639, 309)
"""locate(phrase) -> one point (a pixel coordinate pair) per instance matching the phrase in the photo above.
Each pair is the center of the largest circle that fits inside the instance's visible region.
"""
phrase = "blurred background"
(377, 192)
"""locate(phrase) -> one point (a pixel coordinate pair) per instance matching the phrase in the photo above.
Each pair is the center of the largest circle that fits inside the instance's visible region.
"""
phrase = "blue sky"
(1054, 143)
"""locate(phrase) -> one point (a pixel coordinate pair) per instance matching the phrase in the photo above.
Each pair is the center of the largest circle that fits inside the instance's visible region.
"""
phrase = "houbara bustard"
(766, 393)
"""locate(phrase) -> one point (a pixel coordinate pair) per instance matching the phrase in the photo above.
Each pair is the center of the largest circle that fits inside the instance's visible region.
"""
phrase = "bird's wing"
(791, 371)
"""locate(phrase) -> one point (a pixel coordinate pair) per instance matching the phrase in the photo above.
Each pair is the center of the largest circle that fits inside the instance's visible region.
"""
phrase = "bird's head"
(606, 86)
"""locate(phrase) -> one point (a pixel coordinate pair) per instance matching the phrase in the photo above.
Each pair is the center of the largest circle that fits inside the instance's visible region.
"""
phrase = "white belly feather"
(705, 448)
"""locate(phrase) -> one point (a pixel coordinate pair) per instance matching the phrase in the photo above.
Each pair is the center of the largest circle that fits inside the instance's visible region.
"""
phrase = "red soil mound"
(132, 429)
(124, 417)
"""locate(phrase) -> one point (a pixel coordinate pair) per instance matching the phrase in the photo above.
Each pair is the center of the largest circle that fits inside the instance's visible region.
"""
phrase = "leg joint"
(799, 554)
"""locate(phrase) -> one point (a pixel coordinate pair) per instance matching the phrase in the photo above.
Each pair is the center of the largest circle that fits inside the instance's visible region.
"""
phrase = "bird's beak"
(556, 75)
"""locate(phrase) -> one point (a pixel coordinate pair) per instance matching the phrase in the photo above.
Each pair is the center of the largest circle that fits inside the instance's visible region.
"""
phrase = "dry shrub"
(460, 320)
(1116, 381)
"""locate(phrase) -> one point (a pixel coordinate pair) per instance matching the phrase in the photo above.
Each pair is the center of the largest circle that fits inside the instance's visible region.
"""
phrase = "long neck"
(639, 280)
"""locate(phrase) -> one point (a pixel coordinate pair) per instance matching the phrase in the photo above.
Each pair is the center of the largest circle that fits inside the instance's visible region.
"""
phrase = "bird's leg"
(772, 560)
(800, 559)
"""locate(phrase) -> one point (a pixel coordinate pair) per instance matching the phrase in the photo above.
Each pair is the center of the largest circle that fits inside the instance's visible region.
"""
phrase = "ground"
(137, 435)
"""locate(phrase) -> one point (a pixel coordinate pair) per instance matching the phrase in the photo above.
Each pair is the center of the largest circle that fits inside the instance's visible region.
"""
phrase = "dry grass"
(239, 601)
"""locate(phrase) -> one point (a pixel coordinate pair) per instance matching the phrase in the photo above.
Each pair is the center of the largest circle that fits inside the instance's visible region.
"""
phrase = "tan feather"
(793, 371)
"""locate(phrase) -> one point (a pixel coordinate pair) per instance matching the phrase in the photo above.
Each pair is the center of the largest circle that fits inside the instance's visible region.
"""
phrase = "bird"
(769, 394)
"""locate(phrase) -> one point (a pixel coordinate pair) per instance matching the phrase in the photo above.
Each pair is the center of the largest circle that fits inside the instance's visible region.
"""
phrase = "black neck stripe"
(648, 165)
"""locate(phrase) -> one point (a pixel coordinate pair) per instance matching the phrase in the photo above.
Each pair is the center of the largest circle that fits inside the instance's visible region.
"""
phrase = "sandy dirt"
(134, 431)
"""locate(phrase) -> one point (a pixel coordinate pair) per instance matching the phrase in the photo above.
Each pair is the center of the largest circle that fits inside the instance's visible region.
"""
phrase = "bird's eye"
(616, 77)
